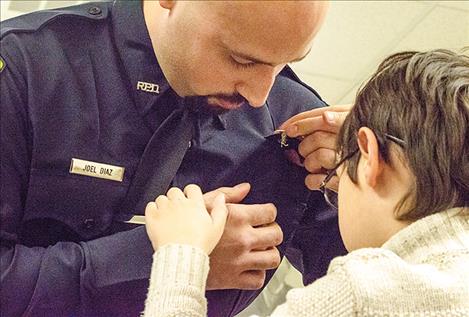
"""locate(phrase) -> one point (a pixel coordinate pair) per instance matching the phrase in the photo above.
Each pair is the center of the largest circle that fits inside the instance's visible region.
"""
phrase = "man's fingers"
(329, 121)
(265, 259)
(251, 280)
(335, 119)
(312, 181)
(319, 139)
(303, 115)
(256, 215)
(333, 184)
(309, 125)
(267, 236)
(318, 112)
(219, 214)
(320, 159)
(232, 194)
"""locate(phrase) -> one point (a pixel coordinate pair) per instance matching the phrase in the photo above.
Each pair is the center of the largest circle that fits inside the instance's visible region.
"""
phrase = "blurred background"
(356, 36)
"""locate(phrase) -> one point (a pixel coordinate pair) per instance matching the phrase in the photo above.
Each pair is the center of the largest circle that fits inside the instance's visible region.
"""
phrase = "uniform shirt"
(83, 82)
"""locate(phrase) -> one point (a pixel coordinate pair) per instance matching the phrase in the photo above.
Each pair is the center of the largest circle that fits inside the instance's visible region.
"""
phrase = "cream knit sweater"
(423, 270)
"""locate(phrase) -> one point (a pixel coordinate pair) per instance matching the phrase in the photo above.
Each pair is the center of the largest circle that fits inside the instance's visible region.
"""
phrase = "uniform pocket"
(276, 180)
(82, 204)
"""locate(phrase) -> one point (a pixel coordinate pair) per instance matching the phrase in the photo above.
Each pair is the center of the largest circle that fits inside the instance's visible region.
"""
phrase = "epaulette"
(289, 73)
(34, 21)
(289, 96)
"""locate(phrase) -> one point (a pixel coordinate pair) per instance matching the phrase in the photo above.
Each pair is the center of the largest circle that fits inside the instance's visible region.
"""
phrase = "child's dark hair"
(423, 99)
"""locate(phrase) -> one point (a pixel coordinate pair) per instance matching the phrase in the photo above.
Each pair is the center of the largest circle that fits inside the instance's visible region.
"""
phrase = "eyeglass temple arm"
(395, 139)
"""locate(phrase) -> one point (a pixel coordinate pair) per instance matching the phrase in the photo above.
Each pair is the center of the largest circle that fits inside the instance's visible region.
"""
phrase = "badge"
(99, 170)
(288, 145)
(148, 87)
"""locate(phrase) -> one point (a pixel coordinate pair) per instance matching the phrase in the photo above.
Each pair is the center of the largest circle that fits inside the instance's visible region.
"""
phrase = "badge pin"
(288, 145)
(284, 141)
(98, 170)
(148, 87)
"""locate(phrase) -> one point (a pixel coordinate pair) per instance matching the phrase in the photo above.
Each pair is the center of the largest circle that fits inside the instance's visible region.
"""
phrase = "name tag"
(99, 170)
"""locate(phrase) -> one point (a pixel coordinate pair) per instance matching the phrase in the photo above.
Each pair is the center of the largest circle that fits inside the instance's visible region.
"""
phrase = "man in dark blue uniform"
(106, 105)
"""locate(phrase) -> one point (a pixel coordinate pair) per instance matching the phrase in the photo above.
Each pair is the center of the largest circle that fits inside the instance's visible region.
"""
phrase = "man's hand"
(319, 129)
(182, 218)
(248, 245)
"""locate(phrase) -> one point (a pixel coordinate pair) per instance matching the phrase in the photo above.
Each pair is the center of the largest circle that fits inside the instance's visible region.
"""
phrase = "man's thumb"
(219, 214)
(232, 194)
(237, 193)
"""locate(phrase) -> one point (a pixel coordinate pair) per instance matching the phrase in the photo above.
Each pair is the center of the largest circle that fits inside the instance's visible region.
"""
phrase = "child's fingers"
(194, 192)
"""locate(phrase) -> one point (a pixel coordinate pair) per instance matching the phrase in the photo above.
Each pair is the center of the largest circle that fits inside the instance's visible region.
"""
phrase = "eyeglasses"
(330, 195)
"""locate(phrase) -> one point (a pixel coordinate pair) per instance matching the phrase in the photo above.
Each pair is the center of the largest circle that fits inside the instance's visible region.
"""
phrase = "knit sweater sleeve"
(331, 295)
(177, 282)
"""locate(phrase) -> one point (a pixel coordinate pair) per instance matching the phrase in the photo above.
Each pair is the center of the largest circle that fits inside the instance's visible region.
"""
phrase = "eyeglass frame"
(332, 172)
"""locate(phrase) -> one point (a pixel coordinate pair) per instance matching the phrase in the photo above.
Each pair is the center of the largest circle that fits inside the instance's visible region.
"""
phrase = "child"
(403, 201)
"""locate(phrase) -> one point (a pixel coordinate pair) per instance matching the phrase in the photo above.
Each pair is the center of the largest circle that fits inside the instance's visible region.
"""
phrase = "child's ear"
(369, 151)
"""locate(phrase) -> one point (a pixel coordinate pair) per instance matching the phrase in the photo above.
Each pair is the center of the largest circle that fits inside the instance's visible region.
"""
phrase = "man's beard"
(211, 103)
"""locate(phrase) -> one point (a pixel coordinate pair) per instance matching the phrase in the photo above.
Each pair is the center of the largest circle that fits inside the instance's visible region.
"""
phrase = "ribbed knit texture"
(177, 282)
(422, 271)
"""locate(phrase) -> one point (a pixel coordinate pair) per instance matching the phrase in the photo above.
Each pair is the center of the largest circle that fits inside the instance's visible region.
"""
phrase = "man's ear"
(167, 4)
(369, 151)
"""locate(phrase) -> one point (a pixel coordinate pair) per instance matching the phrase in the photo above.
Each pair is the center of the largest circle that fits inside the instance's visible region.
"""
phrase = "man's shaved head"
(230, 48)
(283, 29)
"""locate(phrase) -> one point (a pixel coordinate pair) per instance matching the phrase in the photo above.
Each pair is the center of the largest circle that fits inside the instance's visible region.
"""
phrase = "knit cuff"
(176, 264)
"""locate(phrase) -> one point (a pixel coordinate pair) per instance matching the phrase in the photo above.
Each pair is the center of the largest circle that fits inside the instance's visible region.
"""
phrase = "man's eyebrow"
(251, 58)
(259, 61)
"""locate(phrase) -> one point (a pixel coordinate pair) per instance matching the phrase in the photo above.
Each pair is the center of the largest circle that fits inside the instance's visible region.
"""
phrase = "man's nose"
(255, 88)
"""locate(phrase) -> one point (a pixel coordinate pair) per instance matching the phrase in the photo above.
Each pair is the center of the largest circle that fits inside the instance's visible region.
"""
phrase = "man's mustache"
(234, 98)
(200, 103)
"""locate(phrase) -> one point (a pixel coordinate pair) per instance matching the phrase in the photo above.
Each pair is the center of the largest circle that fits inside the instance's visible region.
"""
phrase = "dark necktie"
(160, 161)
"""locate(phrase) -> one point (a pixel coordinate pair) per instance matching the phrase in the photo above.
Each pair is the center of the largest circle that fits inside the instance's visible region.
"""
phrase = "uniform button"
(95, 11)
(189, 145)
(89, 223)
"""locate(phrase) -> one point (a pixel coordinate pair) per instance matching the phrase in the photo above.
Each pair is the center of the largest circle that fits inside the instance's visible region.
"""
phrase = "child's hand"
(181, 217)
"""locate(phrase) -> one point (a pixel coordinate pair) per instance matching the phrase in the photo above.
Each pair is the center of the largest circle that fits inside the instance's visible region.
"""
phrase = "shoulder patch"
(2, 64)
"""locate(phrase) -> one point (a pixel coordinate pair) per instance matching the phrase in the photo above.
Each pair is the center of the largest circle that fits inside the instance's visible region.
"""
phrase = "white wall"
(357, 35)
